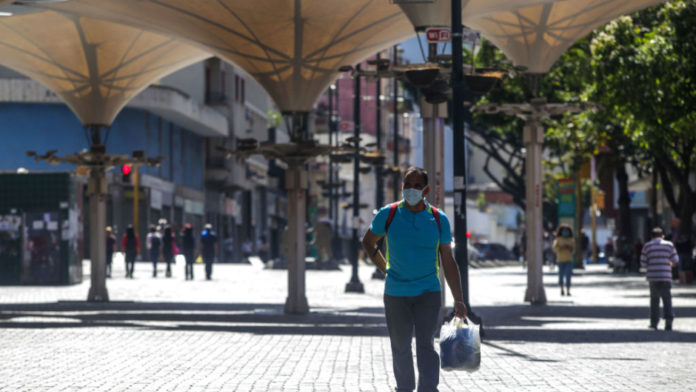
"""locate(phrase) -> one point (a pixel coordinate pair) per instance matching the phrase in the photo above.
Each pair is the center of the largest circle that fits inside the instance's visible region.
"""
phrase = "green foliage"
(274, 118)
(645, 67)
(641, 69)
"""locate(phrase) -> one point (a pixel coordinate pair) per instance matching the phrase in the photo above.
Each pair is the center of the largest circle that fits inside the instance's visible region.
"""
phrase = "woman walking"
(564, 247)
(110, 247)
(188, 245)
(168, 246)
(130, 244)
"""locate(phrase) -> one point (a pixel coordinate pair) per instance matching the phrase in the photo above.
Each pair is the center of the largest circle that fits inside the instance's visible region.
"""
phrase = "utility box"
(40, 229)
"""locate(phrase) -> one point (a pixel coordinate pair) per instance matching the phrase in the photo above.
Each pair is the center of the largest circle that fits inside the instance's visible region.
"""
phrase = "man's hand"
(460, 309)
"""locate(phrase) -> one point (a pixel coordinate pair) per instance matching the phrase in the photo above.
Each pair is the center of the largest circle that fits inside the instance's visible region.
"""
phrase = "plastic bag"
(460, 346)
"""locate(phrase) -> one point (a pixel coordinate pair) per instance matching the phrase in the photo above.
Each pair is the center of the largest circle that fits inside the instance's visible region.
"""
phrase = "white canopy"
(95, 66)
(437, 13)
(292, 47)
(536, 36)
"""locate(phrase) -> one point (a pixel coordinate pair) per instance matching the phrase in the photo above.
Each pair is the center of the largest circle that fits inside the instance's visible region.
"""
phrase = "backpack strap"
(390, 218)
(436, 214)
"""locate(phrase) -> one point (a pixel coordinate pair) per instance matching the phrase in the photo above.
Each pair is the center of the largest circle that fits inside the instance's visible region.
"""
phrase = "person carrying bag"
(460, 345)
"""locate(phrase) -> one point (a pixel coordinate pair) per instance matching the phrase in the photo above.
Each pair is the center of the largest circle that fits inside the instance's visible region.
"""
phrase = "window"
(236, 87)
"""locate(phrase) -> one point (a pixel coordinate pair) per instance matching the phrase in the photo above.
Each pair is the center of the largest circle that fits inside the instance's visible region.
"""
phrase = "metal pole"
(295, 183)
(434, 164)
(97, 191)
(136, 198)
(397, 174)
(337, 249)
(533, 138)
(593, 209)
(578, 217)
(379, 194)
(331, 131)
(459, 91)
(379, 201)
(355, 286)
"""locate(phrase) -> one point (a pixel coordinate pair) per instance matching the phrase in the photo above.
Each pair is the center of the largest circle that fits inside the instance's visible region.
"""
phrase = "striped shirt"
(656, 256)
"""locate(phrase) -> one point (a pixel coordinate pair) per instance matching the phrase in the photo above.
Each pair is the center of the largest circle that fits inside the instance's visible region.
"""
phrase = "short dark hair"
(657, 232)
(418, 170)
(562, 227)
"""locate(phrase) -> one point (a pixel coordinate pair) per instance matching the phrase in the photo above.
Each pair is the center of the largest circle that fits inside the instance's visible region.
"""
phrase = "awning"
(293, 48)
(536, 36)
(95, 66)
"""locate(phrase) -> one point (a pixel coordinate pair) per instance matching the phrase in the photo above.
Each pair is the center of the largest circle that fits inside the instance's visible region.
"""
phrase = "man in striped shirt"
(658, 257)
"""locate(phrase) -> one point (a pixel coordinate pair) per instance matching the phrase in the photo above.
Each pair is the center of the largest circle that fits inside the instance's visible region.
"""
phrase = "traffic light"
(126, 173)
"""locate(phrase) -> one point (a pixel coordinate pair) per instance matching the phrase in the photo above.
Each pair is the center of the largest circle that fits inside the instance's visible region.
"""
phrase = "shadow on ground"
(257, 318)
(501, 323)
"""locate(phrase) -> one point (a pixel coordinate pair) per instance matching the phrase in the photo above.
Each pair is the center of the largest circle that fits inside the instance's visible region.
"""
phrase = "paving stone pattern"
(230, 334)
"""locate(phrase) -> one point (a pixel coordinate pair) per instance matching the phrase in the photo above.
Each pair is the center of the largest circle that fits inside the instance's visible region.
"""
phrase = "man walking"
(153, 242)
(417, 237)
(658, 256)
(208, 249)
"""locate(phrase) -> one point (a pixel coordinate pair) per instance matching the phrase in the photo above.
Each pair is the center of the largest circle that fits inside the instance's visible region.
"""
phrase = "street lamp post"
(354, 285)
(331, 134)
(98, 161)
(396, 173)
(459, 90)
(533, 113)
(379, 196)
(336, 245)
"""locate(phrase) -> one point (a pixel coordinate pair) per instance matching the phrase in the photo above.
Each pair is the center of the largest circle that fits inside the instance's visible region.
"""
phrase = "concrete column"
(97, 191)
(434, 163)
(533, 138)
(296, 184)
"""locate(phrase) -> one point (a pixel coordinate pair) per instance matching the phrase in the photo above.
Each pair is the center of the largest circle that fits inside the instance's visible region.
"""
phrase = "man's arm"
(452, 275)
(369, 243)
(674, 257)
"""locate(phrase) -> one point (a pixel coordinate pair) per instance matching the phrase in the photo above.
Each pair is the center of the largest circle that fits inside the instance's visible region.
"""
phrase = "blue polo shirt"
(411, 249)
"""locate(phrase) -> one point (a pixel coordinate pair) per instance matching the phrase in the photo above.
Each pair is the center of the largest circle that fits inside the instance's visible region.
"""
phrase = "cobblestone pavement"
(229, 334)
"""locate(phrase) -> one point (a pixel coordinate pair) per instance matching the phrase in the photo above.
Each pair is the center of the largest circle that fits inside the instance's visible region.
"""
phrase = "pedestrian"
(564, 246)
(130, 244)
(246, 250)
(153, 242)
(168, 249)
(635, 257)
(110, 248)
(585, 247)
(208, 249)
(549, 254)
(683, 246)
(188, 245)
(659, 257)
(609, 248)
(418, 238)
(263, 248)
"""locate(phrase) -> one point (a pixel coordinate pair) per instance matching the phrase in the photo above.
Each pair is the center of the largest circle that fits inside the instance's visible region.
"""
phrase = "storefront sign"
(155, 199)
(229, 206)
(193, 207)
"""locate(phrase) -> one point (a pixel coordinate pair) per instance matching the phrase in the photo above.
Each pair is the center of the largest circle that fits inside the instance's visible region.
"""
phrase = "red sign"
(438, 34)
(345, 126)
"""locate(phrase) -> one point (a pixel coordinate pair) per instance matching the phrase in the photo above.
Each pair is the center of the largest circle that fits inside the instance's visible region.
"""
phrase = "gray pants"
(661, 290)
(404, 314)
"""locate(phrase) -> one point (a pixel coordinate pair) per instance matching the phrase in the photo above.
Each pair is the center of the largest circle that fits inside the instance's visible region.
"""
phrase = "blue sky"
(413, 53)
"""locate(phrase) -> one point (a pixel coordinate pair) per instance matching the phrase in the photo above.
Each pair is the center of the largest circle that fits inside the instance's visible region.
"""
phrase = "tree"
(648, 64)
(500, 136)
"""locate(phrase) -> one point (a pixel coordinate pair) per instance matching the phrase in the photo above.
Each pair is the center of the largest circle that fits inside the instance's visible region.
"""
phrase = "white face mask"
(412, 196)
